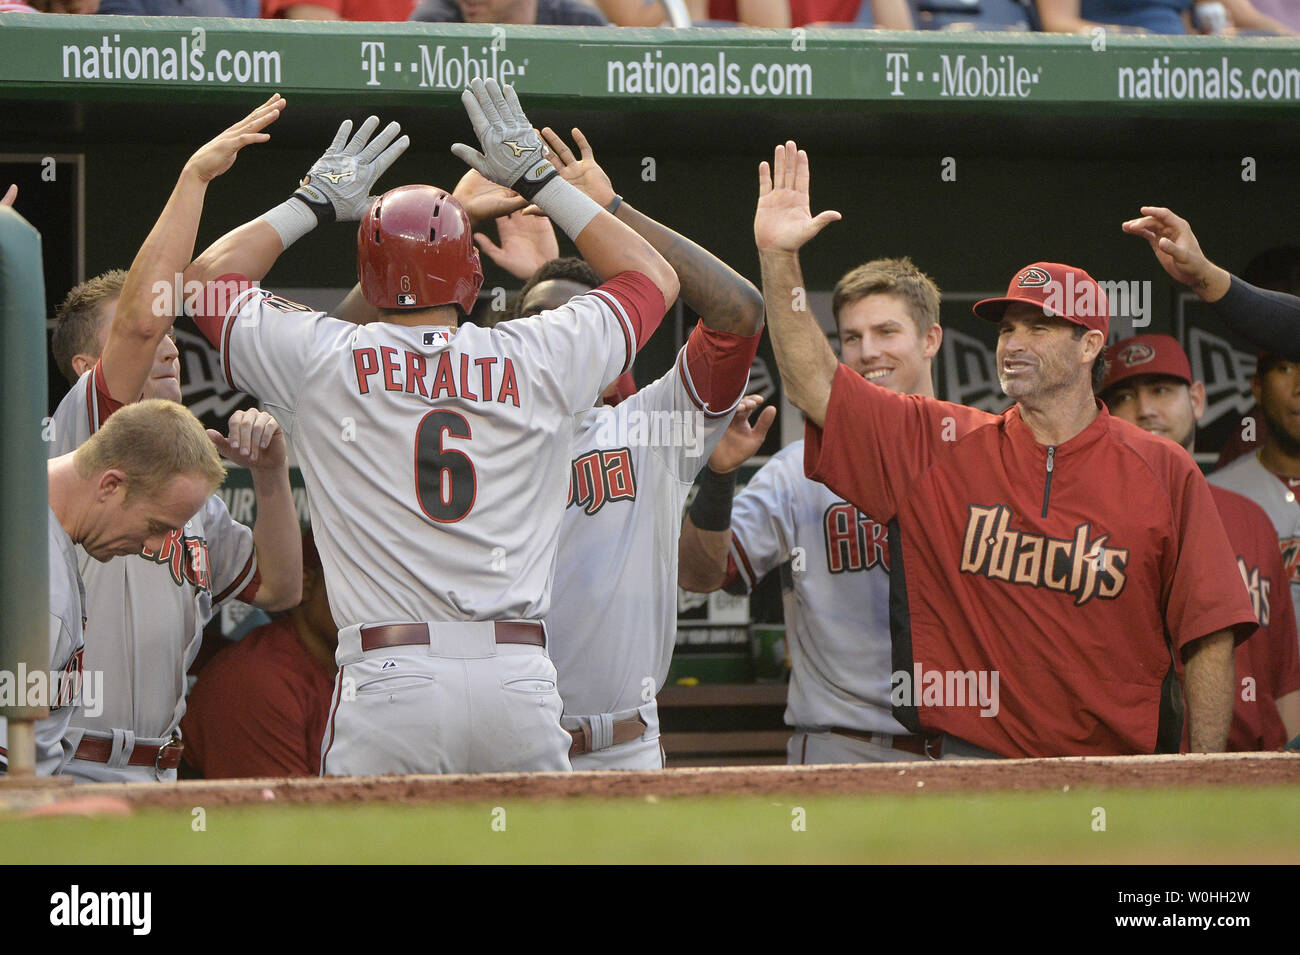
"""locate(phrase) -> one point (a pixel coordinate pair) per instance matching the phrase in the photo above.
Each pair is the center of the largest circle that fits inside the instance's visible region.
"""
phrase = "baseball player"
(1271, 321)
(146, 615)
(436, 453)
(837, 592)
(135, 481)
(613, 617)
(1038, 558)
(1149, 384)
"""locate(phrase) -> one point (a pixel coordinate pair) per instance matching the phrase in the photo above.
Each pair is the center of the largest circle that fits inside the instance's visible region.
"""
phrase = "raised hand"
(217, 156)
(585, 173)
(337, 186)
(527, 243)
(255, 441)
(741, 440)
(11, 195)
(1174, 245)
(512, 151)
(483, 199)
(783, 221)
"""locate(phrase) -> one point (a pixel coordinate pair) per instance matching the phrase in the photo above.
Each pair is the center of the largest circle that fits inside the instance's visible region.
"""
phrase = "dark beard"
(1286, 442)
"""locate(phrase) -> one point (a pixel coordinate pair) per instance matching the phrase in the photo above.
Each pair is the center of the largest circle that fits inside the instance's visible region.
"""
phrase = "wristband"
(612, 208)
(567, 206)
(711, 509)
(291, 219)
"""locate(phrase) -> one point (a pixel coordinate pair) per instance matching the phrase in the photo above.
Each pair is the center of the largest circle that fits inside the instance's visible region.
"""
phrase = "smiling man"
(1052, 546)
(837, 604)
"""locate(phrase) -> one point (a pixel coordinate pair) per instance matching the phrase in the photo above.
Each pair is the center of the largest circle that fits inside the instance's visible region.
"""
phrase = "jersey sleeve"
(762, 522)
(585, 344)
(232, 559)
(1267, 319)
(875, 442)
(264, 341)
(692, 404)
(1204, 592)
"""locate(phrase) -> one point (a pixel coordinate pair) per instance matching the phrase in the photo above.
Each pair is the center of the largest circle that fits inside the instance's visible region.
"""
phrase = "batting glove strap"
(513, 154)
(317, 201)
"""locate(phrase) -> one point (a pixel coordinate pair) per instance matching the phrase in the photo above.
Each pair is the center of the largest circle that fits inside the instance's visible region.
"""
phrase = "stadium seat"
(974, 14)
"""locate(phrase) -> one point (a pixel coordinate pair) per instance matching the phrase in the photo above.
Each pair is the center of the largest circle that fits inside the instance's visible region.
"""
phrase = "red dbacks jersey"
(1067, 572)
(1268, 665)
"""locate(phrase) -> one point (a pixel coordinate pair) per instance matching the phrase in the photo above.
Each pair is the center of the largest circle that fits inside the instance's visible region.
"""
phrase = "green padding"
(24, 560)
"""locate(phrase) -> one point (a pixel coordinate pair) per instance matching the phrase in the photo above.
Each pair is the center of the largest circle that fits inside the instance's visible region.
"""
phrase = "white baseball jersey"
(1278, 497)
(145, 613)
(435, 459)
(613, 617)
(836, 593)
(67, 616)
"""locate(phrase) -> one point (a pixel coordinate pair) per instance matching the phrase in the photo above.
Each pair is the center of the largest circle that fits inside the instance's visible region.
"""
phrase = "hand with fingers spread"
(11, 196)
(512, 154)
(742, 439)
(585, 173)
(255, 441)
(483, 199)
(527, 243)
(783, 221)
(337, 186)
(1178, 252)
(217, 156)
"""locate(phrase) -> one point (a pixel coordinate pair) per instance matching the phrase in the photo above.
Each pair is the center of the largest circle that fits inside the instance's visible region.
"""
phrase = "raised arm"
(1268, 320)
(705, 538)
(783, 223)
(144, 313)
(724, 299)
(335, 189)
(513, 156)
(1210, 684)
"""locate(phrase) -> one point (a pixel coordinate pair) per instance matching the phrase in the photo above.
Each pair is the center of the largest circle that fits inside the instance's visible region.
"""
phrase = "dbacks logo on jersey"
(1291, 558)
(186, 558)
(1078, 566)
(853, 540)
(598, 477)
(1258, 586)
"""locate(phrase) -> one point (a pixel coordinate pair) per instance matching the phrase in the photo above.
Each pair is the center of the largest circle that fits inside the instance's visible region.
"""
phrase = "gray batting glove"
(513, 154)
(337, 186)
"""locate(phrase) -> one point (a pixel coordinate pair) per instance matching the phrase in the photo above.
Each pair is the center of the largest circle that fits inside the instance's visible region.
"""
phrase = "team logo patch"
(1033, 278)
(1138, 353)
(285, 305)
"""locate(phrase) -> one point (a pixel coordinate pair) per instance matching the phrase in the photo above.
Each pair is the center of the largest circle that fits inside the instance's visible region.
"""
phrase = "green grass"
(1208, 825)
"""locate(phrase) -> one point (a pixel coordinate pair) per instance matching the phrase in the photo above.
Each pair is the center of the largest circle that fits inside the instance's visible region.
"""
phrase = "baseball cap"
(1146, 355)
(1059, 290)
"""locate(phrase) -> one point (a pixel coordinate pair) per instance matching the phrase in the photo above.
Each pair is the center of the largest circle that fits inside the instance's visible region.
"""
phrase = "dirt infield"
(1141, 772)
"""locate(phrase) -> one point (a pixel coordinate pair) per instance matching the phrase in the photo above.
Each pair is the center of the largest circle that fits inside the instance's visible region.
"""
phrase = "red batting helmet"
(415, 249)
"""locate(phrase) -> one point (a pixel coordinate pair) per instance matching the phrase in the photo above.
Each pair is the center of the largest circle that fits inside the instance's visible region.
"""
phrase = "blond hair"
(76, 320)
(890, 277)
(151, 442)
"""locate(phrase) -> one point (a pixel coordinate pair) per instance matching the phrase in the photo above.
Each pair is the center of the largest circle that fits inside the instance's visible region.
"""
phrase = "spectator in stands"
(260, 706)
(66, 6)
(1285, 12)
(374, 10)
(571, 13)
(13, 6)
(1243, 17)
(886, 14)
(1142, 16)
(178, 8)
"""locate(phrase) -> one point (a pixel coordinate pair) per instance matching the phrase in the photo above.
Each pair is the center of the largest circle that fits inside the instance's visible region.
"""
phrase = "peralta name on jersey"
(472, 379)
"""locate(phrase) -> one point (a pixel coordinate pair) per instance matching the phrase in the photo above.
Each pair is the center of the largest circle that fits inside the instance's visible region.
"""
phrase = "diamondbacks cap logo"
(405, 299)
(1033, 278)
(1138, 353)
